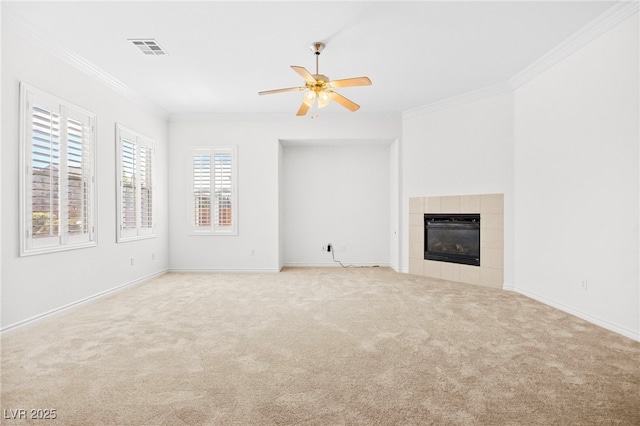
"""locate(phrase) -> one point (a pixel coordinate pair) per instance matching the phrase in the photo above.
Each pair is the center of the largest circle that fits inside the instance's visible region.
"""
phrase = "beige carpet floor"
(324, 346)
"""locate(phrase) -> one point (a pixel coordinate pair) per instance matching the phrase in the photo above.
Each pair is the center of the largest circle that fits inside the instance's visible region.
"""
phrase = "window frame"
(212, 228)
(139, 141)
(66, 112)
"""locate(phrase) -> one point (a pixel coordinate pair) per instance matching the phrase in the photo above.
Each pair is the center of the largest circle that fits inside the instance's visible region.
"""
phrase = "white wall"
(564, 149)
(336, 194)
(395, 202)
(576, 162)
(34, 285)
(261, 183)
(466, 149)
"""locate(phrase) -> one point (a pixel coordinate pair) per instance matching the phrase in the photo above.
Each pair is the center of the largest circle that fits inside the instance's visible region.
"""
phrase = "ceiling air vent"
(148, 46)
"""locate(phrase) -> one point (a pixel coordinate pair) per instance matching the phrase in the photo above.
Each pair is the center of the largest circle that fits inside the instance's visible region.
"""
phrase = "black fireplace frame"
(469, 221)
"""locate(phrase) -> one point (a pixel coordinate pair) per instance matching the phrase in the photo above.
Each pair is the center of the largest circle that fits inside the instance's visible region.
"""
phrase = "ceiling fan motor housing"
(320, 78)
(317, 47)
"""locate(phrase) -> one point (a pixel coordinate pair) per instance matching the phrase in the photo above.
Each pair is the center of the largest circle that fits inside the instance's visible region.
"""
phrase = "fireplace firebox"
(452, 238)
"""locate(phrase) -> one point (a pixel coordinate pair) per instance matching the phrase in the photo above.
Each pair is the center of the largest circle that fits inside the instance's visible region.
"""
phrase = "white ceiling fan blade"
(304, 73)
(350, 105)
(350, 82)
(318, 85)
(303, 109)
(290, 89)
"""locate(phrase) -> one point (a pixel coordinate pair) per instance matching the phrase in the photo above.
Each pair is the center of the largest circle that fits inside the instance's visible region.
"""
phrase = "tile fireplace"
(488, 270)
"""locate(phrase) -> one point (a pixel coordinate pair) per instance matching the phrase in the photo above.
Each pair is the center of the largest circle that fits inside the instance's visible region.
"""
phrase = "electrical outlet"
(583, 284)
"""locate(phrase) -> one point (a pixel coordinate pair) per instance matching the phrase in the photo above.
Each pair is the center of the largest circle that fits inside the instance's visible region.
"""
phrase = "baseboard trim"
(72, 305)
(508, 287)
(577, 313)
(223, 270)
(334, 265)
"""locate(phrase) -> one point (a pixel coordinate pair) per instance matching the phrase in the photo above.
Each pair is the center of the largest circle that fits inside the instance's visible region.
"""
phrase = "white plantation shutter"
(222, 188)
(135, 181)
(213, 188)
(201, 188)
(45, 182)
(76, 223)
(146, 187)
(79, 179)
(57, 173)
(128, 185)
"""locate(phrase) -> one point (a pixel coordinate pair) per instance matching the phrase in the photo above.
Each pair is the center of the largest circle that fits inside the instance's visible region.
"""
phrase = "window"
(57, 174)
(214, 201)
(135, 155)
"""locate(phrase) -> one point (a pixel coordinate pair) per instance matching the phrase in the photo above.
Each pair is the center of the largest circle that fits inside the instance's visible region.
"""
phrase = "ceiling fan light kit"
(319, 87)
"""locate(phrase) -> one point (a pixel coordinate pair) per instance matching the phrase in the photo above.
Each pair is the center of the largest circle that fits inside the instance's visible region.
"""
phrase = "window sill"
(45, 250)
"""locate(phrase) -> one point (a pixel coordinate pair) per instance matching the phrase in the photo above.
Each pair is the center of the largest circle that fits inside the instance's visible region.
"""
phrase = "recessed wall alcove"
(490, 273)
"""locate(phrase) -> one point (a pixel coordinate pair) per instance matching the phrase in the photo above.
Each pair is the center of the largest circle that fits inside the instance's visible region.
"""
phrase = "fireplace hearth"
(452, 238)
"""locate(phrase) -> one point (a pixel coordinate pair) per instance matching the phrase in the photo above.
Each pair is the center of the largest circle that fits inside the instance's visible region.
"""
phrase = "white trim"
(226, 117)
(270, 116)
(508, 287)
(57, 248)
(138, 140)
(397, 271)
(338, 142)
(212, 229)
(37, 37)
(97, 296)
(601, 24)
(336, 264)
(610, 18)
(222, 270)
(454, 101)
(607, 20)
(66, 111)
(635, 335)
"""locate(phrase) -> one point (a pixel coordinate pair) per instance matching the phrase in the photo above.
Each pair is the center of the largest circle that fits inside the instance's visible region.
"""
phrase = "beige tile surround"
(490, 273)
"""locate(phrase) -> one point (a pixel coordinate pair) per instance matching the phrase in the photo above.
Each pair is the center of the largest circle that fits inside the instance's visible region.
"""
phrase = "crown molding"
(204, 117)
(462, 99)
(604, 22)
(607, 20)
(13, 21)
(610, 18)
(277, 116)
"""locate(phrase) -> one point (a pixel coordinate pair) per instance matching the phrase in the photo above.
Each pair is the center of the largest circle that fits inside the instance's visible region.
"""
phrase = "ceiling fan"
(320, 87)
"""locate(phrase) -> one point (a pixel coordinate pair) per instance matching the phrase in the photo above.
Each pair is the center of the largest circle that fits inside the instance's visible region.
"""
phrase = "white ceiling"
(222, 53)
